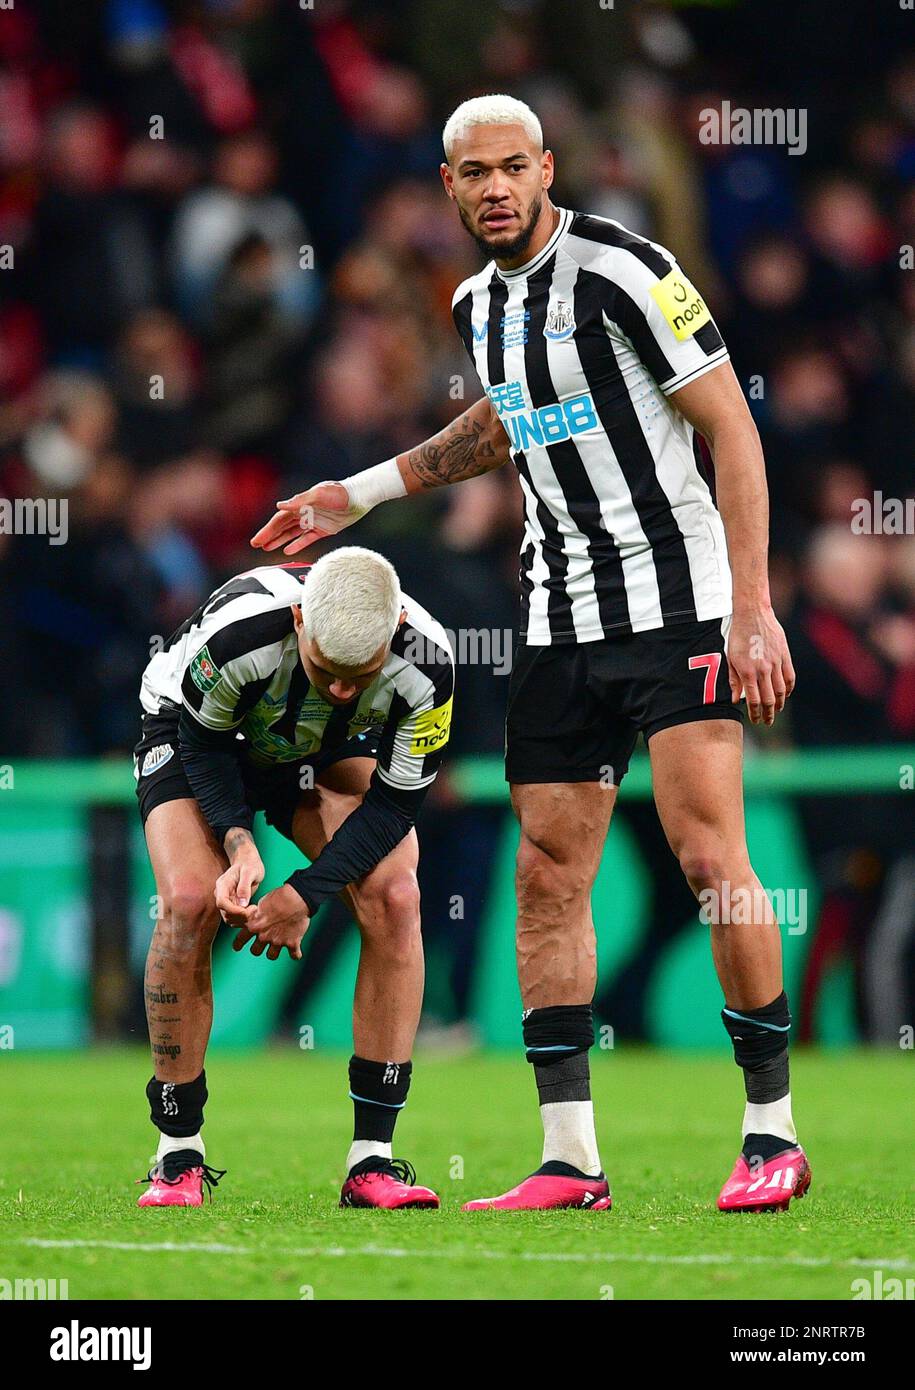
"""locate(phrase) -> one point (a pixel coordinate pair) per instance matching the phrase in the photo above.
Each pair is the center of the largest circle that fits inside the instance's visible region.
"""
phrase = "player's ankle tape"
(555, 1033)
(768, 1082)
(569, 1079)
(758, 1035)
(176, 1107)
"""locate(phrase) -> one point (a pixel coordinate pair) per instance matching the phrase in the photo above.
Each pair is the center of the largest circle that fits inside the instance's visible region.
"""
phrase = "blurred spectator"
(241, 203)
(249, 342)
(155, 372)
(90, 257)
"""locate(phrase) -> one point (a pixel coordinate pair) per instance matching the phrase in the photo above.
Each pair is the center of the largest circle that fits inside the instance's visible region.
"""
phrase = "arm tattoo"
(235, 839)
(463, 449)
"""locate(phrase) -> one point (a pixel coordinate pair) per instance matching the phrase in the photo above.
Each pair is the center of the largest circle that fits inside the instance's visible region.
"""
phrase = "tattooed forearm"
(235, 838)
(472, 444)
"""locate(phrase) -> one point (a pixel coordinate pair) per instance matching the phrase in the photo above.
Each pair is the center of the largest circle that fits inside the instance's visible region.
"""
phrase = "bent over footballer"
(645, 609)
(321, 695)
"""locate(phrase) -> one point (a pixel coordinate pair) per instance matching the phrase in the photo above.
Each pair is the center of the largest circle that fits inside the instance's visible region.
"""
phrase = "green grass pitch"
(75, 1133)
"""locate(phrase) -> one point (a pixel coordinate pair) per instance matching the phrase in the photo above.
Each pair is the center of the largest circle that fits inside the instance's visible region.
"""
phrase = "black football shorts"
(575, 710)
(276, 790)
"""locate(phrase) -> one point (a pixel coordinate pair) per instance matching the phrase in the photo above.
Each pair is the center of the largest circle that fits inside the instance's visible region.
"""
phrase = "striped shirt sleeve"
(648, 298)
(416, 734)
(678, 327)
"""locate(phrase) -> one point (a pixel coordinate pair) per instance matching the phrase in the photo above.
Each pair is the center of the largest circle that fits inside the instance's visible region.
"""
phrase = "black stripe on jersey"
(581, 499)
(298, 688)
(621, 309)
(248, 634)
(191, 694)
(462, 314)
(621, 425)
(527, 558)
(400, 708)
(336, 730)
(250, 695)
(594, 229)
(707, 337)
(498, 296)
(234, 589)
(559, 605)
(438, 666)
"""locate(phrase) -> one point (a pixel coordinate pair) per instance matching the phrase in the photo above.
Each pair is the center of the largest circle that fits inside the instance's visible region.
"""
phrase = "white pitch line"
(460, 1253)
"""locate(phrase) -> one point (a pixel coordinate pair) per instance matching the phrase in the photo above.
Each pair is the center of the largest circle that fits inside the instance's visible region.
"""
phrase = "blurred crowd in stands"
(232, 264)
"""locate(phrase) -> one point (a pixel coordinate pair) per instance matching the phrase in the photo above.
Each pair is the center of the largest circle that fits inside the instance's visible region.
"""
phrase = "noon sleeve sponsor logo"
(432, 729)
(681, 304)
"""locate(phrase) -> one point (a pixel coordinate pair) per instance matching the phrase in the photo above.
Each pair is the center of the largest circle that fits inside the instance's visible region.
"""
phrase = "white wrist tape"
(382, 483)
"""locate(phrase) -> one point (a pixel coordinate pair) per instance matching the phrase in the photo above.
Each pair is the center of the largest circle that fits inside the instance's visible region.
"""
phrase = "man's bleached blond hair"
(351, 604)
(495, 109)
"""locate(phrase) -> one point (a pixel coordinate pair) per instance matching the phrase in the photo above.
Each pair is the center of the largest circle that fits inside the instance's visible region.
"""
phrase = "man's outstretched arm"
(471, 444)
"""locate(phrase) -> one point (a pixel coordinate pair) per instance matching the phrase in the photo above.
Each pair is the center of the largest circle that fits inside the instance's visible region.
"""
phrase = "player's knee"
(543, 875)
(706, 867)
(389, 913)
(188, 913)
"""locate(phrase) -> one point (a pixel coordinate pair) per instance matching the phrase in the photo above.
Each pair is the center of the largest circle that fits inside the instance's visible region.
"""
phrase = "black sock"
(555, 1034)
(176, 1107)
(378, 1091)
(760, 1038)
(556, 1041)
(759, 1148)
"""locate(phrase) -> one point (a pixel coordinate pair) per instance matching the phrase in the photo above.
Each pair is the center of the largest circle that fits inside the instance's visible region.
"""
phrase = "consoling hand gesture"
(299, 521)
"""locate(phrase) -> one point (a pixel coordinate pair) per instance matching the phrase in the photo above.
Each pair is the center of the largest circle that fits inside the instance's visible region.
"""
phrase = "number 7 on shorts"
(711, 661)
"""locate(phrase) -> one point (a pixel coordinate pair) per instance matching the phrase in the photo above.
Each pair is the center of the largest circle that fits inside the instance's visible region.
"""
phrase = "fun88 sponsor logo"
(551, 424)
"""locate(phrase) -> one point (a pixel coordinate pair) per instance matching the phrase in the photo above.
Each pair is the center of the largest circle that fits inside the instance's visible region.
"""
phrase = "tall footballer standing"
(645, 608)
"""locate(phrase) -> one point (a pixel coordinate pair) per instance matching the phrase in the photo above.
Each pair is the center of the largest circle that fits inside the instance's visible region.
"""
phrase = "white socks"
(169, 1145)
(568, 1135)
(361, 1149)
(772, 1118)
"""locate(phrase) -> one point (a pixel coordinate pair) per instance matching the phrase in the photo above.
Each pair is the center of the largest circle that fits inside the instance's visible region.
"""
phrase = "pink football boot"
(385, 1182)
(769, 1186)
(178, 1181)
(549, 1190)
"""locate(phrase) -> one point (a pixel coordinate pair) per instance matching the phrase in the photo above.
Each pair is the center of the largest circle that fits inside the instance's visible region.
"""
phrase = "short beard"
(509, 250)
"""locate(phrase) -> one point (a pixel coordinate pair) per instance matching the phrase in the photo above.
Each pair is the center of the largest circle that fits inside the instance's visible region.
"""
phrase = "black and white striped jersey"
(579, 351)
(235, 665)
